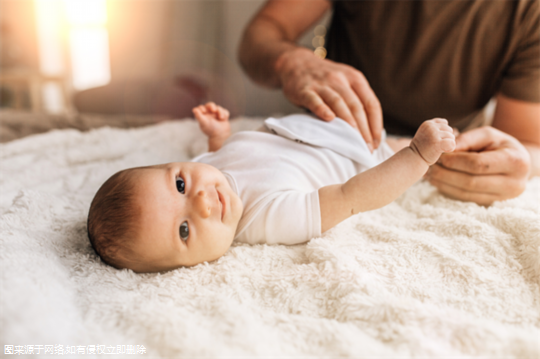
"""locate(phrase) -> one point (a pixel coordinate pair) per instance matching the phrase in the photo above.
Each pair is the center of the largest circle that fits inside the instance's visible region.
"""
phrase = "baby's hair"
(112, 217)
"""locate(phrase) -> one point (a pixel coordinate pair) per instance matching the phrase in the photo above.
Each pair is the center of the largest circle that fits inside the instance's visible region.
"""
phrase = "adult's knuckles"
(492, 132)
(477, 163)
(372, 104)
(471, 183)
(352, 72)
(518, 163)
(514, 188)
(337, 78)
(438, 173)
(306, 96)
(470, 162)
(356, 108)
(317, 108)
(333, 99)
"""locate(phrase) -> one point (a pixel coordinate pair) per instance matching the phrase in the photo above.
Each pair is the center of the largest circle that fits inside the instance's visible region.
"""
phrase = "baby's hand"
(213, 120)
(432, 139)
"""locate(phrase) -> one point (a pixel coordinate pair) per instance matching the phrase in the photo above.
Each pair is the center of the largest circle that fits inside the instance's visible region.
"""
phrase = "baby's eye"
(184, 231)
(180, 185)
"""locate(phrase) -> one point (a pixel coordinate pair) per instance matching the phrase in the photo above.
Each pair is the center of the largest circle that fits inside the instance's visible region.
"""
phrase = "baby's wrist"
(414, 149)
(219, 133)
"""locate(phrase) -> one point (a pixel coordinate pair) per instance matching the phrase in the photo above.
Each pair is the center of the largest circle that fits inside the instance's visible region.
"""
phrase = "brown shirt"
(427, 58)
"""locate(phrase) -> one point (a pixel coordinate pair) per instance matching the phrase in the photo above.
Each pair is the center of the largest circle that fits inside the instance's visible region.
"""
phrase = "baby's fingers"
(448, 144)
(223, 114)
(440, 121)
(200, 110)
(197, 111)
(442, 124)
(448, 141)
(200, 115)
(211, 107)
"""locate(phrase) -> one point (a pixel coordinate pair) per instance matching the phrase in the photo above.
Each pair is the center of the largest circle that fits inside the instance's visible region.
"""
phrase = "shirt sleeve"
(292, 217)
(521, 80)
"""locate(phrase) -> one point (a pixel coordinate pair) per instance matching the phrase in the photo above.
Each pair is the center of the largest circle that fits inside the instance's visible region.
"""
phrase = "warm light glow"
(79, 24)
(49, 20)
(49, 26)
(89, 57)
(89, 43)
(86, 12)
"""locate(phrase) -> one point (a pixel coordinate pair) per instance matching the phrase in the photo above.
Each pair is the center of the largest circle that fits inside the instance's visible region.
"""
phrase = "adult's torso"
(426, 59)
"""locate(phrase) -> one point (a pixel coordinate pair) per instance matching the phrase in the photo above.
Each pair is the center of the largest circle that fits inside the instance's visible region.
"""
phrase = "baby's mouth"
(222, 204)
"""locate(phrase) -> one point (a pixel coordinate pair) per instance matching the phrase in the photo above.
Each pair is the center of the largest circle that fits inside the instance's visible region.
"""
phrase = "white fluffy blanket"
(424, 276)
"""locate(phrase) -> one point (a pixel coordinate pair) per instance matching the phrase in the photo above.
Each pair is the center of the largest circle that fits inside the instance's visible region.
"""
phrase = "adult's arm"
(270, 56)
(493, 163)
(521, 120)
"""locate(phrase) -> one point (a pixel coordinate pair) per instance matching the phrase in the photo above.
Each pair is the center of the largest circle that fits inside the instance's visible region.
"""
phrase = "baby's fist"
(432, 139)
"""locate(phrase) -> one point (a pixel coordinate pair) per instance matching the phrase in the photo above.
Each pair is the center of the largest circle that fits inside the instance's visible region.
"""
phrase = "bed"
(425, 276)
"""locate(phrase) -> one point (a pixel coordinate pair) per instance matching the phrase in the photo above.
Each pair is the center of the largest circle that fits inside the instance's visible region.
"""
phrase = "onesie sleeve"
(292, 217)
(522, 78)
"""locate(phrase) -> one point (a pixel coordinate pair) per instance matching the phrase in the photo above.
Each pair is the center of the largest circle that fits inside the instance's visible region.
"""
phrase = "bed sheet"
(423, 276)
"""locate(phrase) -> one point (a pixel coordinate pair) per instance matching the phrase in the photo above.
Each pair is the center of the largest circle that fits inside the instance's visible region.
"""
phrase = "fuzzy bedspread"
(425, 276)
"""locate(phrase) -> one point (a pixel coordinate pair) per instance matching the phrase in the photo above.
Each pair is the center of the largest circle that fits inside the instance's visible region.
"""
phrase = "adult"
(412, 61)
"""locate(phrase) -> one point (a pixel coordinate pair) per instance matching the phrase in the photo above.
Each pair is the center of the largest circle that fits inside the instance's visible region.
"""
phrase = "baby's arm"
(382, 184)
(398, 143)
(214, 122)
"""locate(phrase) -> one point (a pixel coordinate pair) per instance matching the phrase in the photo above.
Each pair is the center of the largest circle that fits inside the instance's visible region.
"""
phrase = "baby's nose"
(203, 204)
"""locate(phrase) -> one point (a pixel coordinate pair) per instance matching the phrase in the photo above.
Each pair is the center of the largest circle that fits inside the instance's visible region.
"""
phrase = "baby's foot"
(432, 139)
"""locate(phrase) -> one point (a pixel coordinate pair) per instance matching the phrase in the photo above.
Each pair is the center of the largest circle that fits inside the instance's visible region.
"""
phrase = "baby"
(286, 183)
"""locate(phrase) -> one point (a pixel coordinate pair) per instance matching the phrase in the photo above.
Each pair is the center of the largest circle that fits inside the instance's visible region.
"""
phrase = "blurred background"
(152, 58)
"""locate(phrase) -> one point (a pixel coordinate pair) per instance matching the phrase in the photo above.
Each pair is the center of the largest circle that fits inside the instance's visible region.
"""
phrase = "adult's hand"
(487, 165)
(330, 89)
(269, 54)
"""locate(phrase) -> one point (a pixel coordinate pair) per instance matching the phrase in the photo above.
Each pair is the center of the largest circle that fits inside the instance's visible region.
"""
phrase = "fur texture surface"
(423, 276)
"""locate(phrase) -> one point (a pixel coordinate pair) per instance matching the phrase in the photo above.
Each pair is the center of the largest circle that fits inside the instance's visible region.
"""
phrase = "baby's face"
(188, 215)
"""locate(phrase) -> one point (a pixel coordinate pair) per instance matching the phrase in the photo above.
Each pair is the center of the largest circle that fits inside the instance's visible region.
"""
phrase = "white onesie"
(277, 174)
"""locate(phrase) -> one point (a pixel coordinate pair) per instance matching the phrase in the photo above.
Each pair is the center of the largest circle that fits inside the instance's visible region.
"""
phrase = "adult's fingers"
(372, 108)
(358, 114)
(337, 104)
(480, 139)
(501, 161)
(348, 107)
(458, 193)
(312, 101)
(500, 186)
